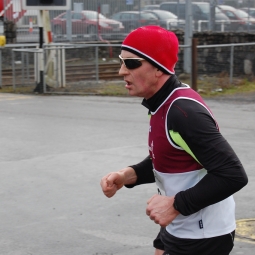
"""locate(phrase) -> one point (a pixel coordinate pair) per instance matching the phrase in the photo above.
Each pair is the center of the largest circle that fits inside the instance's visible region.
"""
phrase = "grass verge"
(208, 86)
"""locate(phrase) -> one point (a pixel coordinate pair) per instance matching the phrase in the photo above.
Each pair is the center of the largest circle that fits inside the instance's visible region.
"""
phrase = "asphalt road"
(54, 151)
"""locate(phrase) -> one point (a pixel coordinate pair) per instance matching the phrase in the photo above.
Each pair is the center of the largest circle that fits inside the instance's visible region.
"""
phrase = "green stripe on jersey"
(179, 141)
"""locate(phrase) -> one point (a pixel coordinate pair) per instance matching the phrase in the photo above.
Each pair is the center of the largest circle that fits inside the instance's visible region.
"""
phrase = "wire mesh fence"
(17, 68)
(111, 20)
(224, 65)
(93, 68)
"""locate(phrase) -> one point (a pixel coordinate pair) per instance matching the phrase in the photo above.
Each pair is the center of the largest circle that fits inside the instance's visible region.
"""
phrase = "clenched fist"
(112, 182)
(160, 209)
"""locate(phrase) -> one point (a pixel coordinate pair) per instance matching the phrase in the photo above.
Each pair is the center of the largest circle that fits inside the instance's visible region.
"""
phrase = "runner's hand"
(160, 209)
(112, 182)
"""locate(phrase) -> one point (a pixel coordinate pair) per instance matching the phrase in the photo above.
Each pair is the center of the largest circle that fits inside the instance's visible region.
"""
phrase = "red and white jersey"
(176, 169)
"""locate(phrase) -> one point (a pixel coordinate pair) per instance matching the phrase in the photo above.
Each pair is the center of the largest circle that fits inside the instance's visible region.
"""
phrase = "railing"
(77, 67)
(227, 26)
(232, 56)
(222, 23)
(8, 62)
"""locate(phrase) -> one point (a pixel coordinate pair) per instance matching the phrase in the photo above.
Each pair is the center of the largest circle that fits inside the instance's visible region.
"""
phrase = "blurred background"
(111, 19)
(85, 41)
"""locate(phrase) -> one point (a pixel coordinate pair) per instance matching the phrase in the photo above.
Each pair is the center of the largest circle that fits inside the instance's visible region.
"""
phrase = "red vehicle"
(1, 6)
(87, 22)
(240, 20)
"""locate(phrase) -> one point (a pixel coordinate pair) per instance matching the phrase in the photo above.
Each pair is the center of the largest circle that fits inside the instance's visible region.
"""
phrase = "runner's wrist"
(175, 205)
(129, 175)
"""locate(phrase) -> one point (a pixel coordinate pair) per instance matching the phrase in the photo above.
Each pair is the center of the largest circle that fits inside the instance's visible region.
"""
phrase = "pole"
(140, 12)
(194, 64)
(69, 25)
(39, 86)
(231, 64)
(98, 26)
(249, 5)
(1, 68)
(188, 37)
(211, 24)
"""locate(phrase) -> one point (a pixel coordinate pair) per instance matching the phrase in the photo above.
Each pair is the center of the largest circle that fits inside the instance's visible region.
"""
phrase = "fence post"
(22, 66)
(63, 66)
(231, 64)
(28, 69)
(39, 82)
(13, 71)
(97, 67)
(1, 80)
(43, 63)
(57, 60)
(194, 64)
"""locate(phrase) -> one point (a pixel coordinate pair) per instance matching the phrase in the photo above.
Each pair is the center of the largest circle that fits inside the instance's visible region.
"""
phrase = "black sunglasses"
(131, 63)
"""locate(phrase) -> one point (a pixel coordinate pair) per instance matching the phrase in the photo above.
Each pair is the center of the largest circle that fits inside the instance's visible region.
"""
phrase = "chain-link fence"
(109, 20)
(93, 68)
(17, 68)
(224, 65)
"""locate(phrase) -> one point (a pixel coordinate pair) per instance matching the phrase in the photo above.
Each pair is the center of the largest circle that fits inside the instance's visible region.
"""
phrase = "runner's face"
(140, 81)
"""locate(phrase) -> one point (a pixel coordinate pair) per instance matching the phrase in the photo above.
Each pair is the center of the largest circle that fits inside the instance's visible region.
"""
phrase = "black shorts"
(219, 245)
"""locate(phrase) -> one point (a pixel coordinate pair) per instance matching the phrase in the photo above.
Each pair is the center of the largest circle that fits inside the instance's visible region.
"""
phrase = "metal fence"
(87, 68)
(225, 65)
(72, 26)
(23, 63)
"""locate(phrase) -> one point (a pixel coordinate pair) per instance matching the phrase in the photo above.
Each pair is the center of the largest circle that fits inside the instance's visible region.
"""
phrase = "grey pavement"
(54, 151)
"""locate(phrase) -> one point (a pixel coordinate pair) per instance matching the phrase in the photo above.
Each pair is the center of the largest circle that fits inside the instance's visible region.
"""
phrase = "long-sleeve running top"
(226, 174)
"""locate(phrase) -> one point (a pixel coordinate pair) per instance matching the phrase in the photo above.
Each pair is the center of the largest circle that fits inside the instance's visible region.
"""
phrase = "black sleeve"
(226, 174)
(144, 172)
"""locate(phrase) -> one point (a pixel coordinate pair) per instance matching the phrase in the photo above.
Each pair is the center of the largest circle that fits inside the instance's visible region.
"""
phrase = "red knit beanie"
(155, 44)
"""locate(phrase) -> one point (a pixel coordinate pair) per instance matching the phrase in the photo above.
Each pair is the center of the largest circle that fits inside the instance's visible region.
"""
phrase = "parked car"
(250, 11)
(201, 14)
(134, 19)
(87, 22)
(151, 7)
(241, 21)
(168, 20)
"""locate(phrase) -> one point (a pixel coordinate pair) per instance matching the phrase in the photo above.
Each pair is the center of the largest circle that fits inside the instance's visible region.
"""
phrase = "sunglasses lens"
(132, 63)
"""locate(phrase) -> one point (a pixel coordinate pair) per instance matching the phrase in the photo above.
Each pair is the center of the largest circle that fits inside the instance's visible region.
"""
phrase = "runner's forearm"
(143, 172)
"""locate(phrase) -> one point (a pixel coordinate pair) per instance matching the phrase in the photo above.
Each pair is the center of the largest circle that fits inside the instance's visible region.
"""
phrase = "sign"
(105, 9)
(46, 4)
(129, 2)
